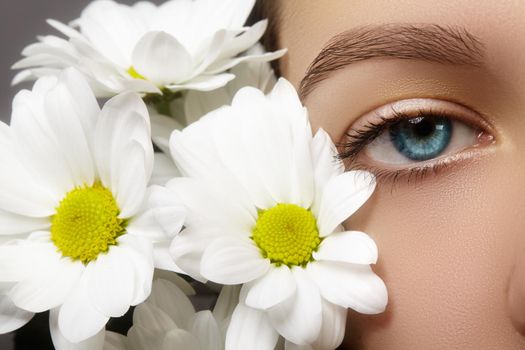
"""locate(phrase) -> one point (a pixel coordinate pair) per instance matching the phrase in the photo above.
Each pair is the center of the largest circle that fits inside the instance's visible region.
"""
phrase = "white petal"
(204, 82)
(351, 246)
(206, 329)
(111, 284)
(161, 128)
(16, 259)
(291, 346)
(72, 113)
(162, 59)
(233, 260)
(139, 338)
(350, 286)
(163, 169)
(12, 317)
(151, 317)
(206, 206)
(35, 293)
(11, 223)
(36, 144)
(177, 280)
(60, 342)
(123, 121)
(298, 319)
(248, 324)
(245, 40)
(226, 303)
(327, 166)
(140, 254)
(163, 259)
(187, 248)
(172, 300)
(115, 341)
(180, 339)
(343, 195)
(132, 181)
(77, 329)
(333, 327)
(271, 289)
(113, 29)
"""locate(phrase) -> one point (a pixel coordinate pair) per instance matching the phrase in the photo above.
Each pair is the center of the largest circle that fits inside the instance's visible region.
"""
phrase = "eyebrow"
(429, 42)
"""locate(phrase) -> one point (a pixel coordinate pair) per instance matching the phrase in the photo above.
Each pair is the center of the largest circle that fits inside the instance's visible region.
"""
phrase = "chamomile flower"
(266, 201)
(78, 235)
(179, 45)
(168, 320)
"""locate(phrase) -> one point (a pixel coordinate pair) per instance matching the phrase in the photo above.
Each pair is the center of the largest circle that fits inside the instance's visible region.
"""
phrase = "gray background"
(20, 22)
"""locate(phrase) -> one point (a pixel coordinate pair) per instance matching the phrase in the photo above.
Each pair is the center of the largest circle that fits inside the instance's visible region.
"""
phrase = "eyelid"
(412, 107)
(380, 119)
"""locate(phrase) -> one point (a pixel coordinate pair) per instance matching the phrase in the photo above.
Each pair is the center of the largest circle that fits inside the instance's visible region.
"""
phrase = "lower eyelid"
(479, 130)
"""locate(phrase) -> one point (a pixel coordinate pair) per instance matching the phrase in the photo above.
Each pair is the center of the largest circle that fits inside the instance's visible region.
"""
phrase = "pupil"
(421, 138)
(424, 128)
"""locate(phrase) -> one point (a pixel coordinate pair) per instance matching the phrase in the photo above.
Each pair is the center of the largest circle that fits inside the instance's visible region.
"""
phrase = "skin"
(451, 245)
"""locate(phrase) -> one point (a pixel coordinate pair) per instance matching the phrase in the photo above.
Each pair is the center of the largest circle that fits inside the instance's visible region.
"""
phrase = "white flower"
(194, 104)
(79, 235)
(265, 203)
(167, 320)
(179, 45)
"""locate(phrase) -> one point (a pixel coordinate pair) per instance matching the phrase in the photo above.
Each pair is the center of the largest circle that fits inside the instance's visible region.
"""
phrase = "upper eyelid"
(349, 149)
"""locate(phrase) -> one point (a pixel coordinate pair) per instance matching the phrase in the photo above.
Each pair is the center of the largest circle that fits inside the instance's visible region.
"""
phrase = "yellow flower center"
(287, 234)
(86, 223)
(134, 74)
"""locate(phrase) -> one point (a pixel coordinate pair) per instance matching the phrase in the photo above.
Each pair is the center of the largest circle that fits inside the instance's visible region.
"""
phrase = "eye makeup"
(413, 138)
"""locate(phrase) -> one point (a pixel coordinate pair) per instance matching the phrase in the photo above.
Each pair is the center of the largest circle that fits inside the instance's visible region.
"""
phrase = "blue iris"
(421, 138)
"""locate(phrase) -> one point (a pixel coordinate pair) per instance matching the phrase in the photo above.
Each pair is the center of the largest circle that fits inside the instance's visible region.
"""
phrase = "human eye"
(413, 138)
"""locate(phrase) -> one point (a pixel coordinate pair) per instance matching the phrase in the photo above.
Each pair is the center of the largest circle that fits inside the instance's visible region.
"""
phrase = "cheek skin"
(445, 247)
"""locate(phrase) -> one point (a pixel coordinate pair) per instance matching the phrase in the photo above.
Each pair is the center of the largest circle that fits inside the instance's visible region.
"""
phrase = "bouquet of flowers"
(200, 172)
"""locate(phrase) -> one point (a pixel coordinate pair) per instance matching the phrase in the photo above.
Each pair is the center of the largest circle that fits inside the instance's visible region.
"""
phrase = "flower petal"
(350, 286)
(35, 293)
(153, 318)
(76, 329)
(11, 223)
(248, 324)
(60, 342)
(187, 248)
(298, 319)
(180, 339)
(333, 327)
(161, 58)
(226, 303)
(123, 121)
(12, 317)
(163, 169)
(111, 284)
(351, 246)
(203, 82)
(273, 288)
(206, 329)
(233, 260)
(343, 195)
(172, 300)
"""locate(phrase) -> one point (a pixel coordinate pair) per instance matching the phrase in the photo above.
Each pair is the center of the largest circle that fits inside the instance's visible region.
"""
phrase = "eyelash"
(357, 140)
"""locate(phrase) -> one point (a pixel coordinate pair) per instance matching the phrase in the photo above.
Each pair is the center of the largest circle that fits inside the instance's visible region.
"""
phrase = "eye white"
(382, 149)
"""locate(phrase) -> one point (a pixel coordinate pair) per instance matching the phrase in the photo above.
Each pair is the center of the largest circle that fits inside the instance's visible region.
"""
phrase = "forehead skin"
(447, 245)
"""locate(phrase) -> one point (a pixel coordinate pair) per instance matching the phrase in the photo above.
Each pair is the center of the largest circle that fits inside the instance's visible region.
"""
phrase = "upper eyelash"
(356, 140)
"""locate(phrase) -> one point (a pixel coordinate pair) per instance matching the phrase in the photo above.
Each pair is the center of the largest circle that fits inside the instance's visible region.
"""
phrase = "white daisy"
(80, 237)
(179, 45)
(167, 320)
(194, 104)
(265, 203)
